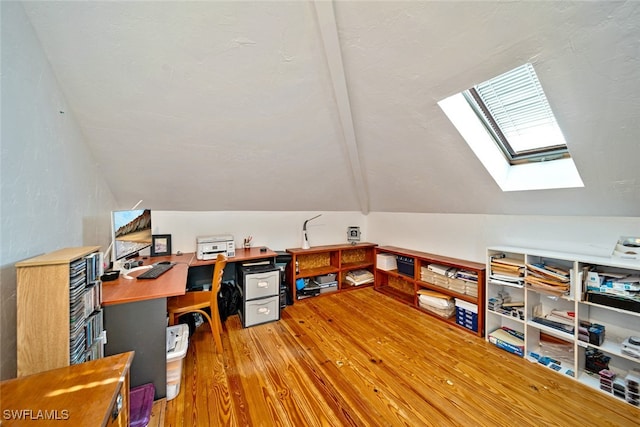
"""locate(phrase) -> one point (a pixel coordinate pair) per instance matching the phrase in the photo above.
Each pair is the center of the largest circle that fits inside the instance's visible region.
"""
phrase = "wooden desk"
(135, 313)
(81, 395)
(170, 284)
(135, 318)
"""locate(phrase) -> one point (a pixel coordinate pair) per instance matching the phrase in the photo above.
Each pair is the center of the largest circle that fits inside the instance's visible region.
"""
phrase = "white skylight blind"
(515, 109)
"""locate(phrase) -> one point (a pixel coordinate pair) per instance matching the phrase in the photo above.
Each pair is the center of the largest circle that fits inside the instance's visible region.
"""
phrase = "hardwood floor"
(363, 359)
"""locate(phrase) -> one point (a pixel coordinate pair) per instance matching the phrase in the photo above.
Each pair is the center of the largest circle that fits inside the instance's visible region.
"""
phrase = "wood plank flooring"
(360, 358)
(157, 413)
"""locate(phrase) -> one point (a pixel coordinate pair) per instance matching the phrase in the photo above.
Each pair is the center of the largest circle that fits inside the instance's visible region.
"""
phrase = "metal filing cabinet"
(260, 288)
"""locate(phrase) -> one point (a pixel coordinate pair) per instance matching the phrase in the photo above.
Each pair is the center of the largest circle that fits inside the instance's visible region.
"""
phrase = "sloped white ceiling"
(249, 105)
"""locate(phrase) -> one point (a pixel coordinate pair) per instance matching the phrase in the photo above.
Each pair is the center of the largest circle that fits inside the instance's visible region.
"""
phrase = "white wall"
(460, 236)
(277, 230)
(53, 195)
(468, 236)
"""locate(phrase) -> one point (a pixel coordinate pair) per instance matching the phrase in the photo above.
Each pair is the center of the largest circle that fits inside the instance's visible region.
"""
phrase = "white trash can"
(177, 345)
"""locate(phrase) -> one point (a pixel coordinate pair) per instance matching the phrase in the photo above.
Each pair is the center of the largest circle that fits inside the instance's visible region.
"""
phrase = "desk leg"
(142, 327)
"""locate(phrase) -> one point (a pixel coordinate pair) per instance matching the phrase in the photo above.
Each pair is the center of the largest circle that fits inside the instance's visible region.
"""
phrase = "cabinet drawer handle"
(263, 277)
(263, 310)
(263, 284)
(117, 407)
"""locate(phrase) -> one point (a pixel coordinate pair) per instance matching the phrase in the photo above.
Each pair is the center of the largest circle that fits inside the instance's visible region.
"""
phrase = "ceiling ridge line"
(329, 31)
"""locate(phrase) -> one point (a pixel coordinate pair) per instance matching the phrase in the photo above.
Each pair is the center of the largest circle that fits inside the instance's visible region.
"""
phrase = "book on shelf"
(508, 339)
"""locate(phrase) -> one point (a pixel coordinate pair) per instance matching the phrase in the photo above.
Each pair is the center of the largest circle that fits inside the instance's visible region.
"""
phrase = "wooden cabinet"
(577, 322)
(95, 393)
(338, 260)
(59, 318)
(415, 271)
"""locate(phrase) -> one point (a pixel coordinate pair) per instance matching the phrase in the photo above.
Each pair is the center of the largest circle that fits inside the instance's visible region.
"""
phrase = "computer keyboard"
(155, 271)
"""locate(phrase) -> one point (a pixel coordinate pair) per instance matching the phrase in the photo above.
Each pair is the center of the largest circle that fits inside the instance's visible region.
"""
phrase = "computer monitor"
(131, 232)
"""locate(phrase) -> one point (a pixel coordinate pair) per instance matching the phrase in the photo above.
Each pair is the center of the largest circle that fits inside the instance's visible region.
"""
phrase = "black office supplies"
(156, 271)
(110, 275)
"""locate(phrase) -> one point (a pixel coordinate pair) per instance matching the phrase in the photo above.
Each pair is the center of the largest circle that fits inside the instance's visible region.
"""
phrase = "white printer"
(210, 246)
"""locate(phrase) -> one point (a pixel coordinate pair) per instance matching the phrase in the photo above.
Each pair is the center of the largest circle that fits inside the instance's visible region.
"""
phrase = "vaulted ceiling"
(303, 105)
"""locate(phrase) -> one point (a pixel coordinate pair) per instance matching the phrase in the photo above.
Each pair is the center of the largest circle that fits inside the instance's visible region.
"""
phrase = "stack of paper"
(507, 271)
(471, 289)
(457, 285)
(431, 276)
(443, 269)
(359, 277)
(547, 278)
(437, 303)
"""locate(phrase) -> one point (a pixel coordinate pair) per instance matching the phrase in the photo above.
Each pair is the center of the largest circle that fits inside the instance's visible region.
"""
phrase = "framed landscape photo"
(161, 244)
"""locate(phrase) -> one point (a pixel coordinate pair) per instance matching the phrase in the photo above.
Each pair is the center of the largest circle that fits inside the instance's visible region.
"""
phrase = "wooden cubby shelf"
(331, 259)
(406, 284)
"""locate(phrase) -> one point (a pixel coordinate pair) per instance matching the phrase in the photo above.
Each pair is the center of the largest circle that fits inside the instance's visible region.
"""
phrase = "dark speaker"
(283, 296)
(283, 259)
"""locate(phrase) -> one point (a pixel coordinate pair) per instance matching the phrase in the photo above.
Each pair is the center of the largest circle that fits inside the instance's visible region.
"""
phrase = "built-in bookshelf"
(416, 278)
(59, 314)
(347, 267)
(578, 315)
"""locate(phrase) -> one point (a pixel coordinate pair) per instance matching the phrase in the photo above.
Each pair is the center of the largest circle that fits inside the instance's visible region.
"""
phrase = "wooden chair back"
(216, 283)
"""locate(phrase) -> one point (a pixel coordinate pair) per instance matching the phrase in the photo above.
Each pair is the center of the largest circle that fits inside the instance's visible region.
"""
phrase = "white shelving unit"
(546, 342)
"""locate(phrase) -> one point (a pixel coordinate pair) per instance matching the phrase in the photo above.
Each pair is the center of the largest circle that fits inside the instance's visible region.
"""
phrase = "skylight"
(508, 123)
(515, 110)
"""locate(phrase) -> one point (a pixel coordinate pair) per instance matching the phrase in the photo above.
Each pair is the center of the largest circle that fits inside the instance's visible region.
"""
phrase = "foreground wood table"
(94, 393)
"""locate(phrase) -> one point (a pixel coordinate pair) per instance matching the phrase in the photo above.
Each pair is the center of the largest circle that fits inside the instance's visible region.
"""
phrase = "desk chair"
(197, 301)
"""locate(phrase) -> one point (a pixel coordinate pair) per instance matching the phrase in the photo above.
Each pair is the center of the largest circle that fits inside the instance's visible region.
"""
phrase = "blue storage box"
(467, 315)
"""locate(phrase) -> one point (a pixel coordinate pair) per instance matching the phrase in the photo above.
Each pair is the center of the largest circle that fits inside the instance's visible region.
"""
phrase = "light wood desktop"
(135, 312)
(171, 283)
(84, 394)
